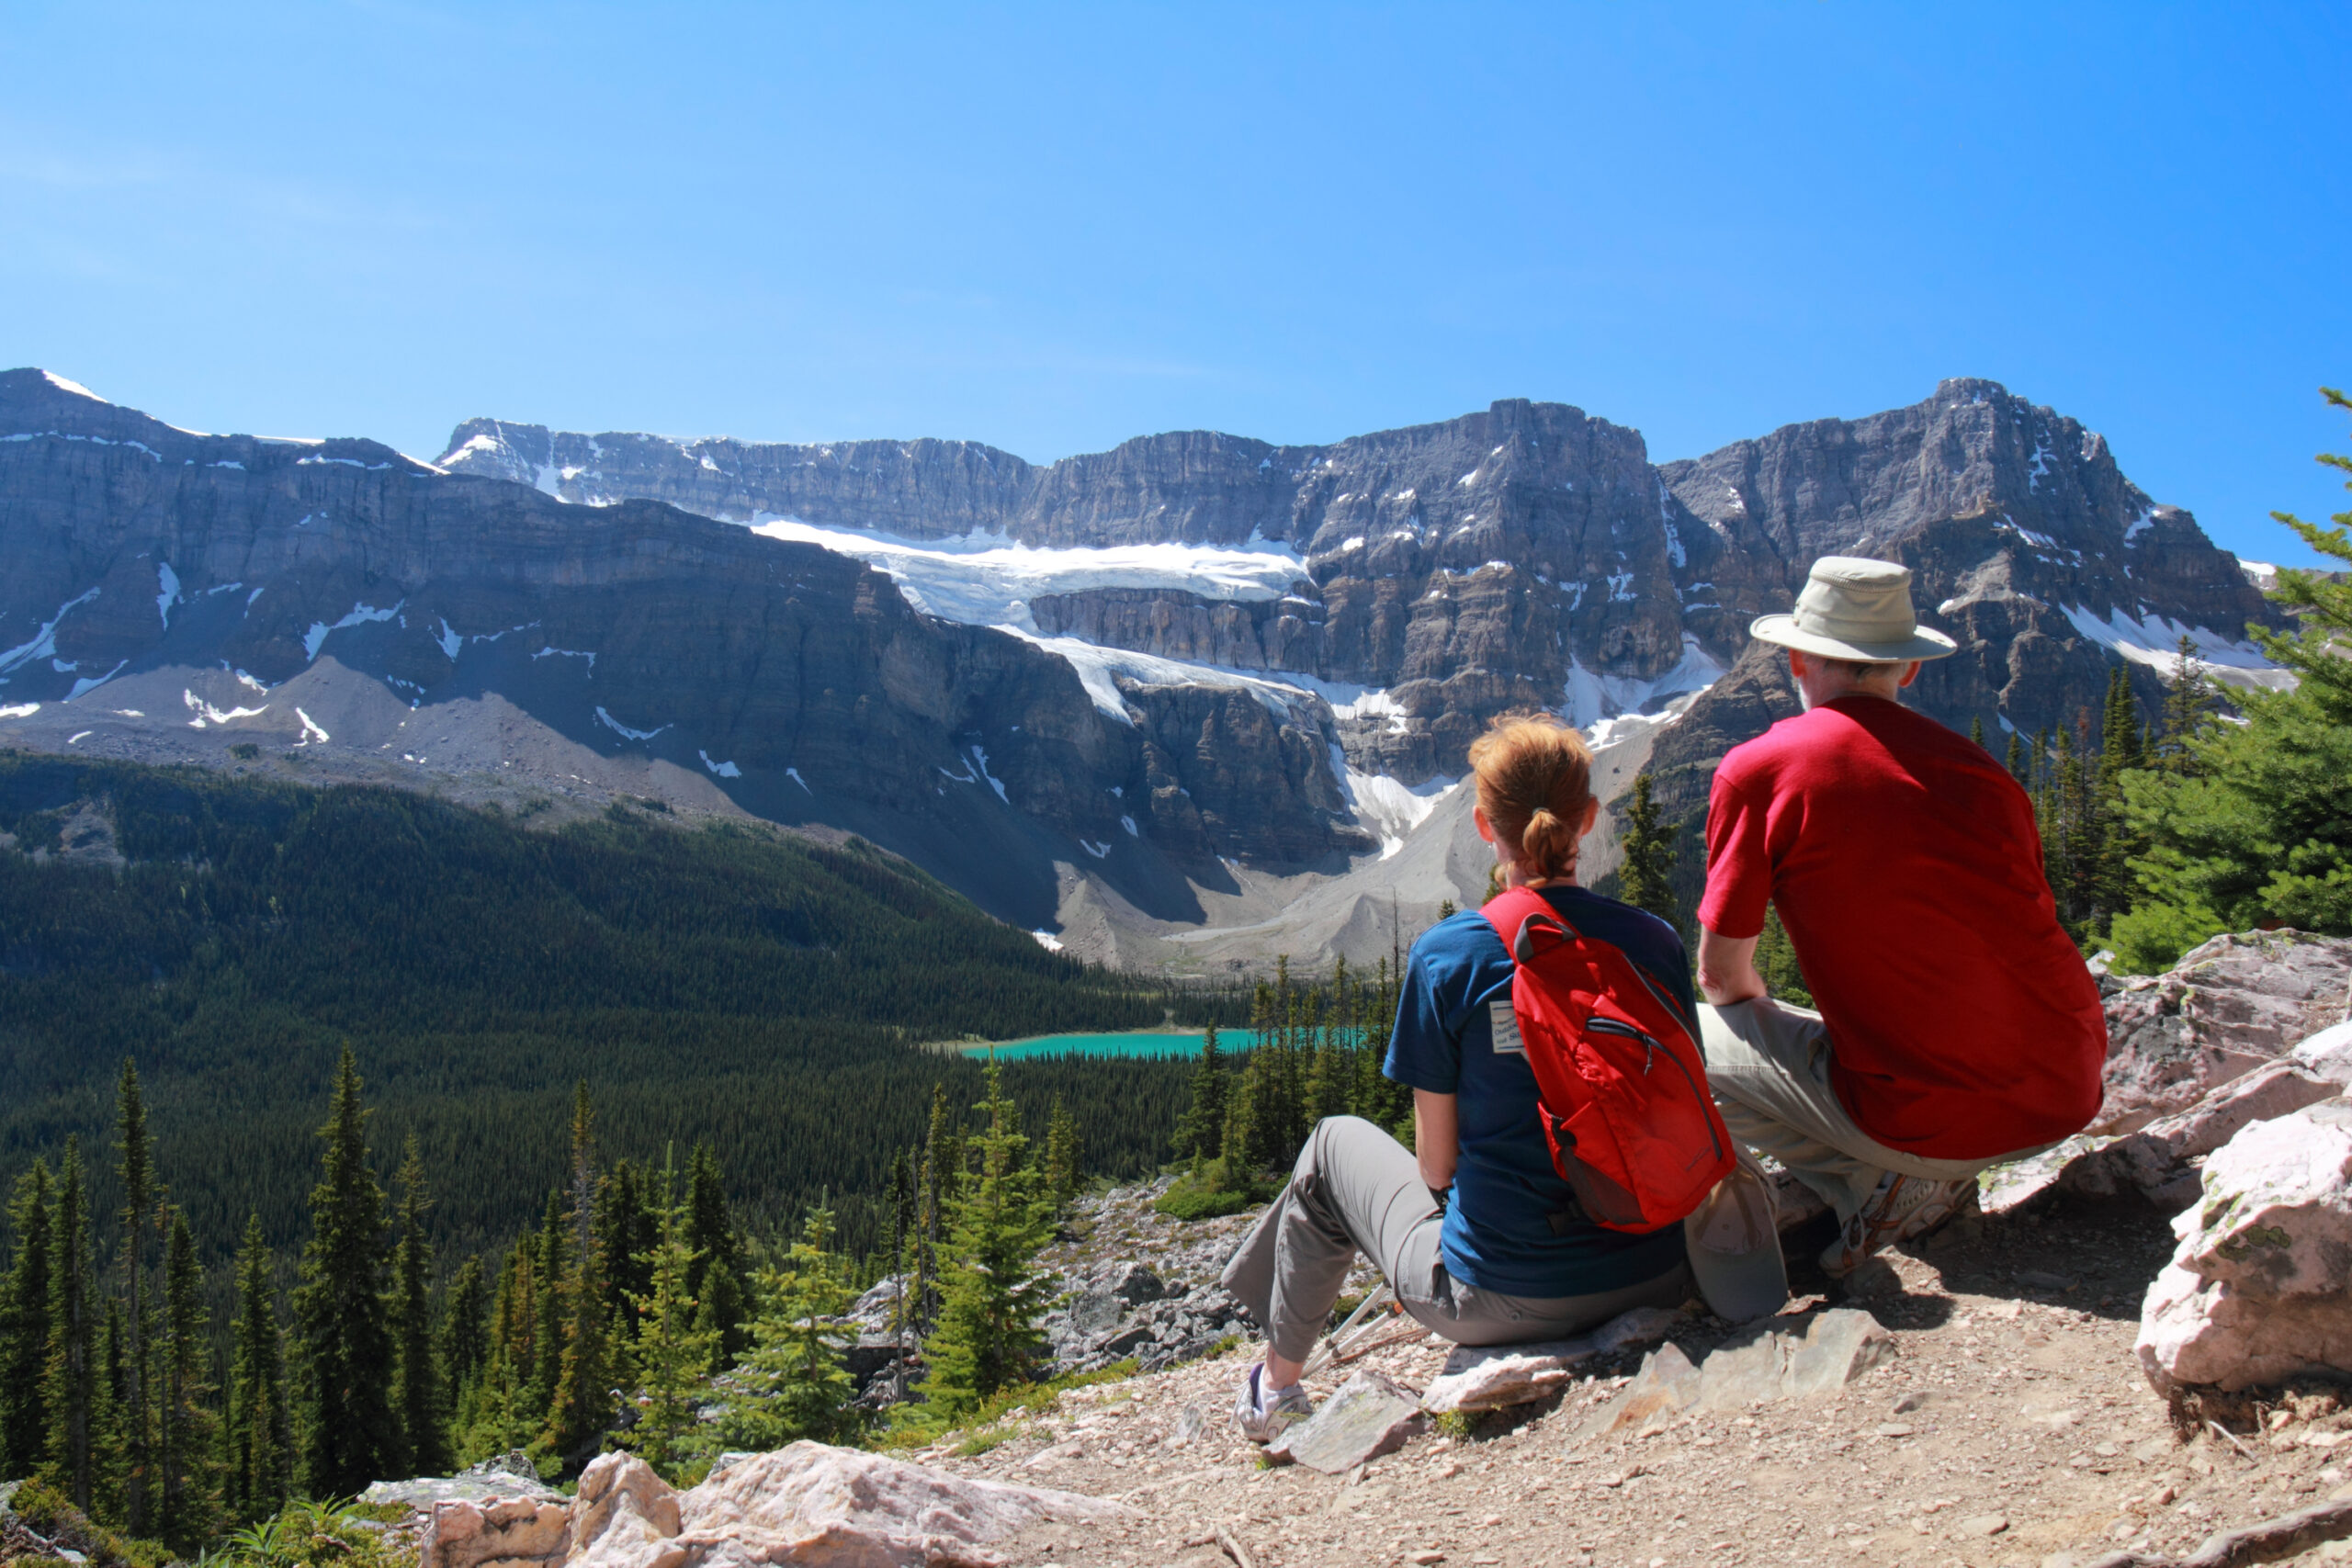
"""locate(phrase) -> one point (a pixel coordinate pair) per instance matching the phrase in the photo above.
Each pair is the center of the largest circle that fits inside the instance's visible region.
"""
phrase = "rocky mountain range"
(1137, 698)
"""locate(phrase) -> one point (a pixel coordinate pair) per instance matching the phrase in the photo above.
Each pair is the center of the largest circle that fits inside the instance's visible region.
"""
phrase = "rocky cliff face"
(1532, 556)
(1216, 653)
(237, 573)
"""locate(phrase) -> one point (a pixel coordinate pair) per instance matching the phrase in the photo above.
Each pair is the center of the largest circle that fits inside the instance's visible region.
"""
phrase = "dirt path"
(2012, 1427)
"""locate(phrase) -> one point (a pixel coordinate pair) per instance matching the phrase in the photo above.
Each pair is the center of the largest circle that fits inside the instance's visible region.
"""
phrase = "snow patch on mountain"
(987, 579)
(2155, 640)
(1592, 697)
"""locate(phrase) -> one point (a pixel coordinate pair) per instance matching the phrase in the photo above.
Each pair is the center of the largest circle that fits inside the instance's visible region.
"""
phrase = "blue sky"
(1052, 228)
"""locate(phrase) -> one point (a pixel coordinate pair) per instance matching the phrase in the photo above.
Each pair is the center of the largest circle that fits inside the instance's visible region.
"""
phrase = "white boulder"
(2260, 1287)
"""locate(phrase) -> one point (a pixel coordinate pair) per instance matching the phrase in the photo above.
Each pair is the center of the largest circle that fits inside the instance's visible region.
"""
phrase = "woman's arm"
(1437, 1140)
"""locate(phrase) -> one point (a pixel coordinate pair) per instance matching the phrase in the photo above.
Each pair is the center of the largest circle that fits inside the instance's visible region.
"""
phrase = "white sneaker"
(1262, 1422)
(1902, 1208)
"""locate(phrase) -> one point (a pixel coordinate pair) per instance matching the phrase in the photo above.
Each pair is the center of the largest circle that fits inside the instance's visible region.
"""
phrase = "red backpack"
(1621, 1083)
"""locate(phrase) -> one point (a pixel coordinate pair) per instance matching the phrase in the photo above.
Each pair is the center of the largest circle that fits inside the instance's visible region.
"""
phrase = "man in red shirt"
(1959, 1026)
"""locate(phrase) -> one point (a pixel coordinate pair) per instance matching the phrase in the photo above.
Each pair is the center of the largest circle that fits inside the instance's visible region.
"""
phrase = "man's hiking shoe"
(1902, 1207)
(1264, 1423)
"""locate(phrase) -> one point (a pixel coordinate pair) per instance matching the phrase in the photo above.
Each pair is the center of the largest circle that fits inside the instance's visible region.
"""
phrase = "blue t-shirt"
(1498, 1231)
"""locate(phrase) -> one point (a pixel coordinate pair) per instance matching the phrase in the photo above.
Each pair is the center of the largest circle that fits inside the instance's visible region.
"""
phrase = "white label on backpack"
(1504, 1024)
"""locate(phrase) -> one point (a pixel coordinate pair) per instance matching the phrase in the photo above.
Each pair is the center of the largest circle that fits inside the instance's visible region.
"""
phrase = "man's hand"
(1727, 969)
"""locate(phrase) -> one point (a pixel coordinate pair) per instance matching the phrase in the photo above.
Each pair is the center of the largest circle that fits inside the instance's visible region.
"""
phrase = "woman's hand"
(1437, 1138)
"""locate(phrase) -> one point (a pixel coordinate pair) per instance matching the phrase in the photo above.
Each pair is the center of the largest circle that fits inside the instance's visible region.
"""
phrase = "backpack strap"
(1512, 911)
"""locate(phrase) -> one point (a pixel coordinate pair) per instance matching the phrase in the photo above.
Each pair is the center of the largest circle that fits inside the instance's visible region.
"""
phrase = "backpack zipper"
(1650, 1048)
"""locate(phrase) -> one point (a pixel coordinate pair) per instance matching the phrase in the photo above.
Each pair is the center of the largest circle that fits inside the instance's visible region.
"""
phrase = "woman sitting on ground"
(1473, 1228)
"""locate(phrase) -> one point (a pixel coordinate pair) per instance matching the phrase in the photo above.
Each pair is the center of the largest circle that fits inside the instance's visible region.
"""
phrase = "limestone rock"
(501, 1531)
(814, 1503)
(1492, 1377)
(1762, 1363)
(622, 1514)
(2228, 1007)
(2327, 1054)
(2260, 1287)
(2155, 1161)
(1371, 1414)
(1666, 1385)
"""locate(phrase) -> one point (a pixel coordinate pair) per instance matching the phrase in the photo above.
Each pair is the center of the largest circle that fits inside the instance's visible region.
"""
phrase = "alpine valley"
(1179, 706)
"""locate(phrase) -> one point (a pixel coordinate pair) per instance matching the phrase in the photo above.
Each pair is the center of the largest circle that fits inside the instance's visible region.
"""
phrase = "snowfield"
(988, 580)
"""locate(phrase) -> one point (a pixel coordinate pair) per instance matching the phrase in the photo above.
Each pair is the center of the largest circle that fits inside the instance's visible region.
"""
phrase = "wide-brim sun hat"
(1733, 1240)
(1853, 608)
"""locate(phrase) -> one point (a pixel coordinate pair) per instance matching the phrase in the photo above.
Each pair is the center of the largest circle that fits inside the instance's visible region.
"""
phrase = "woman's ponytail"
(1534, 777)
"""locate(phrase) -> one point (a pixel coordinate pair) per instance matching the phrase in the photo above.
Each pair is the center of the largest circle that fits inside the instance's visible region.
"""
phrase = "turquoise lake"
(1187, 1044)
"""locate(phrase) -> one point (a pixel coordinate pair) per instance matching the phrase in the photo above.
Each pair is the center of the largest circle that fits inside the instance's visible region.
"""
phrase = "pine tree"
(718, 1277)
(988, 1339)
(943, 1174)
(1646, 879)
(349, 1432)
(70, 1367)
(2246, 823)
(109, 1438)
(1976, 730)
(792, 1383)
(626, 1228)
(24, 1323)
(1200, 1133)
(1776, 962)
(2016, 761)
(1061, 1156)
(672, 1353)
(137, 1415)
(260, 1444)
(547, 1297)
(902, 1220)
(416, 1382)
(187, 1431)
(582, 1410)
(465, 1335)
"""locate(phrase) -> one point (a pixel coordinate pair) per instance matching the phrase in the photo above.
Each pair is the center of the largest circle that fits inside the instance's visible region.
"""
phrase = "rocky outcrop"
(807, 1504)
(2231, 1005)
(2257, 1292)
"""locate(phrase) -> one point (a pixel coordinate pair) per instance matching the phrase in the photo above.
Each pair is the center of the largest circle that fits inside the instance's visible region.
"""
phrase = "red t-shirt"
(1907, 867)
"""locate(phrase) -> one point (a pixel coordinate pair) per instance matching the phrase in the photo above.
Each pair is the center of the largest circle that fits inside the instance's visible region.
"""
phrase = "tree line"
(635, 1279)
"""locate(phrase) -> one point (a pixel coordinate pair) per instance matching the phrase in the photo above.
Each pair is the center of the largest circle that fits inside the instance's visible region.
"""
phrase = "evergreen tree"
(1976, 730)
(792, 1383)
(260, 1443)
(672, 1352)
(627, 1228)
(24, 1323)
(349, 1432)
(2188, 707)
(1200, 1133)
(943, 1174)
(1646, 879)
(136, 1413)
(2016, 761)
(416, 1382)
(988, 1339)
(70, 1370)
(2248, 823)
(1776, 962)
(1061, 1156)
(109, 1440)
(582, 1407)
(717, 1276)
(902, 1220)
(465, 1335)
(187, 1431)
(547, 1293)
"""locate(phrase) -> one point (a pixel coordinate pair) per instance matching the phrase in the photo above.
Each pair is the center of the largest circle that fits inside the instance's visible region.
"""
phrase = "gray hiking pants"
(1768, 1065)
(1357, 1189)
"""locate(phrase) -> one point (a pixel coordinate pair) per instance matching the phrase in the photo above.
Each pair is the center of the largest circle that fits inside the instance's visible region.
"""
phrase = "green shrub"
(1198, 1197)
